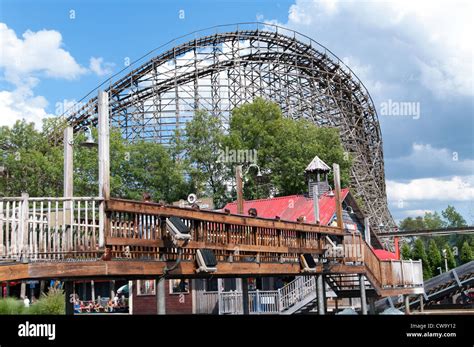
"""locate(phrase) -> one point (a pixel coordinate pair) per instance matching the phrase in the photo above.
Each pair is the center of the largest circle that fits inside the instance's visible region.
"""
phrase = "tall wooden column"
(245, 296)
(337, 188)
(239, 188)
(161, 296)
(104, 161)
(69, 297)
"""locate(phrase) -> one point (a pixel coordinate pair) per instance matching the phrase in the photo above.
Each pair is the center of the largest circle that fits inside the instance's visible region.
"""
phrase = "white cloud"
(35, 53)
(429, 41)
(21, 104)
(26, 59)
(100, 68)
(457, 188)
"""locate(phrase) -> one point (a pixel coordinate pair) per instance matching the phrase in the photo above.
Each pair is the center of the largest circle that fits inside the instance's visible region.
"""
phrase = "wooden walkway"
(66, 238)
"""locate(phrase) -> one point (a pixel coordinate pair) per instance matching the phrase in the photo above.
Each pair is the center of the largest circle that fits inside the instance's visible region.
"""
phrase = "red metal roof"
(382, 254)
(291, 207)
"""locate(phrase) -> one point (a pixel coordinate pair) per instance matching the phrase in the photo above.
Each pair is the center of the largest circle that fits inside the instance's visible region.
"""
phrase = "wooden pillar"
(92, 291)
(7, 289)
(69, 297)
(23, 290)
(239, 188)
(367, 230)
(320, 294)
(193, 296)
(371, 301)
(42, 285)
(363, 297)
(337, 188)
(316, 204)
(245, 296)
(23, 229)
(130, 297)
(161, 296)
(68, 189)
(112, 289)
(422, 304)
(104, 161)
(407, 304)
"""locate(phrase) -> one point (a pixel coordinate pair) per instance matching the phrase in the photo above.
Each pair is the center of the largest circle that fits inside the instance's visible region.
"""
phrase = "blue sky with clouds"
(404, 52)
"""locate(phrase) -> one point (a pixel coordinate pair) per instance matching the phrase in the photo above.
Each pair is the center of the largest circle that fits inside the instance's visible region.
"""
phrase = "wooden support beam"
(68, 189)
(239, 189)
(160, 296)
(337, 188)
(152, 269)
(104, 161)
(245, 296)
(69, 297)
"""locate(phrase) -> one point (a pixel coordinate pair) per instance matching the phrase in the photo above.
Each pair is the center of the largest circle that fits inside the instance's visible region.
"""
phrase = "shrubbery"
(52, 302)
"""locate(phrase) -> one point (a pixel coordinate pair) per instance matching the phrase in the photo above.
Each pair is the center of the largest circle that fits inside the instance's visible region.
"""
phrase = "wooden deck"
(66, 237)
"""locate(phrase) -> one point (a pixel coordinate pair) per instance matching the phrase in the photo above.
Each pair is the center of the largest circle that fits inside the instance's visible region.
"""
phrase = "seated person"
(110, 306)
(90, 307)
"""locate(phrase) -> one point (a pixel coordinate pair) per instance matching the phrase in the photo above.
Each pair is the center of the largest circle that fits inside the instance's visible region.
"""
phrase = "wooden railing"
(49, 228)
(386, 273)
(207, 302)
(295, 291)
(61, 228)
(138, 230)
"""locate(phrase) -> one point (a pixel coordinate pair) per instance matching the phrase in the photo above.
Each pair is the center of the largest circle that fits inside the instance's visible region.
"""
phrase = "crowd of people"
(111, 306)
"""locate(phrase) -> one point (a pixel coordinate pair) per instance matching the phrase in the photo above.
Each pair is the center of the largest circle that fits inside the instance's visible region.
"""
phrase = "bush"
(12, 306)
(51, 303)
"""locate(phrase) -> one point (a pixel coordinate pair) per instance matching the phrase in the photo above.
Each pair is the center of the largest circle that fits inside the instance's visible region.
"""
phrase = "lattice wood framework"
(220, 68)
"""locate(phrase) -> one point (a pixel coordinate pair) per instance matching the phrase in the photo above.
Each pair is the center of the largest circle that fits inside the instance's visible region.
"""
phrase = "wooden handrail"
(121, 205)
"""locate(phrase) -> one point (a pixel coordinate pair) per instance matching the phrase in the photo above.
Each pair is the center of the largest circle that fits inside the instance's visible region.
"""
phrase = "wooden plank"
(146, 268)
(119, 241)
(213, 216)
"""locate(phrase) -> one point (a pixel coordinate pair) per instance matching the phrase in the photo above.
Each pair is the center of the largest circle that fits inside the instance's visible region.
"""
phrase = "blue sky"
(404, 52)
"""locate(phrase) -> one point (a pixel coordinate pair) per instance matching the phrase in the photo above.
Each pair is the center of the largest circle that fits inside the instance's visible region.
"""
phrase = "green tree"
(453, 218)
(466, 253)
(34, 165)
(406, 251)
(202, 146)
(149, 167)
(284, 146)
(410, 223)
(433, 221)
(434, 256)
(419, 253)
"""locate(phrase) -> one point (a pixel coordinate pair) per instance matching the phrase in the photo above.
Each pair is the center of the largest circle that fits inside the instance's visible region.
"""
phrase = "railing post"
(23, 226)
